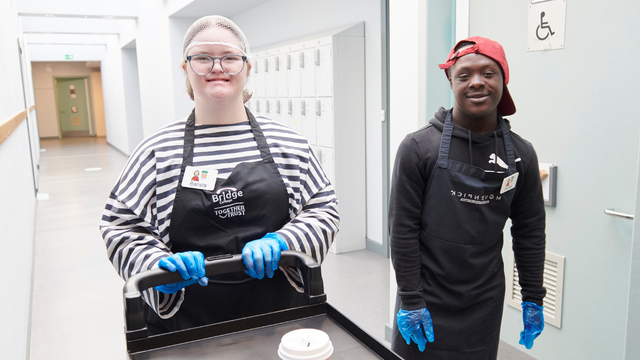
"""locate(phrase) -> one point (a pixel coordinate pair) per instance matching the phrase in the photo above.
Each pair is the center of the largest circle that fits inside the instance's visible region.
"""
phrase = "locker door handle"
(316, 56)
(277, 106)
(302, 107)
(301, 58)
(268, 106)
(320, 157)
(258, 106)
(277, 63)
(288, 61)
(318, 108)
(613, 212)
(290, 110)
(266, 65)
(257, 66)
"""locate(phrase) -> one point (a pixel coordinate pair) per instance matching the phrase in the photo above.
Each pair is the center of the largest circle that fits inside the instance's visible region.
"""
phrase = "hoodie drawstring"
(470, 152)
(495, 141)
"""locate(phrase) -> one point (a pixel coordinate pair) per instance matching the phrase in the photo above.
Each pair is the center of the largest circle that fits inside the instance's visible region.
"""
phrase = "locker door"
(326, 157)
(282, 65)
(323, 60)
(259, 106)
(268, 110)
(270, 76)
(307, 106)
(278, 113)
(307, 74)
(258, 68)
(324, 121)
(293, 77)
(251, 80)
(295, 118)
(284, 116)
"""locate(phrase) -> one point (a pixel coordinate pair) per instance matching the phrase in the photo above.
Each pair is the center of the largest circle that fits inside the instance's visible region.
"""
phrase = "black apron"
(462, 271)
(251, 202)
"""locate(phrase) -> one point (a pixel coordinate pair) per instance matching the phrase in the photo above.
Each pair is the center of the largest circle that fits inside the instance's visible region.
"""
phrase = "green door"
(73, 112)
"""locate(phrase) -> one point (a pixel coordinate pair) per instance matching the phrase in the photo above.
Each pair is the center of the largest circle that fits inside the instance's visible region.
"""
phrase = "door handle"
(613, 212)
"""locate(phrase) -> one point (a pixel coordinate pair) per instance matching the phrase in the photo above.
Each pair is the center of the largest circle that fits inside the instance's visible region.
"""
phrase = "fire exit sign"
(67, 57)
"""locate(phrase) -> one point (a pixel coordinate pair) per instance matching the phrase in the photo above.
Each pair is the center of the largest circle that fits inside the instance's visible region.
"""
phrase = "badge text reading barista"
(199, 177)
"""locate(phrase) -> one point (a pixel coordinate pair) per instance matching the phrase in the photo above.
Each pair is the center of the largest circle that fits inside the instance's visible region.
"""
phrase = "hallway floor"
(77, 296)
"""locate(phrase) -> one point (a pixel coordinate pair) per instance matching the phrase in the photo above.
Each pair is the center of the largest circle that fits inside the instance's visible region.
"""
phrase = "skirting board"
(377, 248)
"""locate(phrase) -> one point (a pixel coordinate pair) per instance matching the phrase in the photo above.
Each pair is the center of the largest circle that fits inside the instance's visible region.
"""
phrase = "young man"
(455, 183)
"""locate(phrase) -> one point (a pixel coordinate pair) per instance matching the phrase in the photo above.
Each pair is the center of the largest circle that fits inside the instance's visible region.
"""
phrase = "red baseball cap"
(493, 50)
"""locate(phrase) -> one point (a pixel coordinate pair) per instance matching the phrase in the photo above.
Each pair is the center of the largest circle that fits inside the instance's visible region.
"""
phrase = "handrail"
(10, 125)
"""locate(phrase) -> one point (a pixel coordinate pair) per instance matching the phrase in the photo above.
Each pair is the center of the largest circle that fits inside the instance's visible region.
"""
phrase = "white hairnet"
(215, 30)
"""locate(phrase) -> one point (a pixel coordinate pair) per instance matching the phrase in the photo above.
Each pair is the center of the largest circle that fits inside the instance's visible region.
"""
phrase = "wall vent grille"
(553, 282)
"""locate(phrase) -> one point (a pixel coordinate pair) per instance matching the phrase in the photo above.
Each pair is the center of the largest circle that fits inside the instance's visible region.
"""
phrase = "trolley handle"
(135, 325)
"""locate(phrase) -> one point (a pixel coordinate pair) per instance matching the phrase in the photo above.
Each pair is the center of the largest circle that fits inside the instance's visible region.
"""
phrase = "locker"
(268, 110)
(327, 160)
(309, 127)
(325, 103)
(251, 81)
(258, 68)
(295, 118)
(282, 66)
(324, 121)
(323, 60)
(259, 106)
(270, 76)
(278, 114)
(293, 74)
(307, 74)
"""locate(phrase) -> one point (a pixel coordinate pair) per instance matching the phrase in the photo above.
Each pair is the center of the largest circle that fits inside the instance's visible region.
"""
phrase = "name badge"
(199, 177)
(509, 183)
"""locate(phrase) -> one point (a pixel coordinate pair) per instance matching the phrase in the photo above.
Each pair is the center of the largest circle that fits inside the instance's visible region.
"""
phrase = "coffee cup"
(305, 344)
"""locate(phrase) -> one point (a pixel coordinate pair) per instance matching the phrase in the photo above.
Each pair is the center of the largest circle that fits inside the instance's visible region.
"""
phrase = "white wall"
(113, 92)
(17, 197)
(281, 20)
(56, 52)
(178, 26)
(45, 92)
(90, 8)
(154, 66)
(132, 96)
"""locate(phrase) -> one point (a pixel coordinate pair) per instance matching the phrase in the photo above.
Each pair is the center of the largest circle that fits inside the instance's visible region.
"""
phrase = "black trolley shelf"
(251, 338)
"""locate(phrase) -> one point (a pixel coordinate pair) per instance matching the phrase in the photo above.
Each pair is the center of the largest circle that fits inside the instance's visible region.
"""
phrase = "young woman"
(260, 190)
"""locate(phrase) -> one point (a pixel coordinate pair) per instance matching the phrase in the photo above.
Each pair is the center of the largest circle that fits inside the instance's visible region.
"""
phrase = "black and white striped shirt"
(136, 220)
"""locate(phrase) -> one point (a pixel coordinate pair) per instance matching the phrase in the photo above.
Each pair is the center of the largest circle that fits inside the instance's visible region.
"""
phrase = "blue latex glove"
(533, 320)
(189, 264)
(411, 323)
(261, 256)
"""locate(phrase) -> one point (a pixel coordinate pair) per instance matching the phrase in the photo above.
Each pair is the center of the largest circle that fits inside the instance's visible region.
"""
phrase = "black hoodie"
(415, 161)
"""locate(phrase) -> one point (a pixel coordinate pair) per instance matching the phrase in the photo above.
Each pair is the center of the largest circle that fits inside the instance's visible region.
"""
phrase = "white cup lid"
(305, 344)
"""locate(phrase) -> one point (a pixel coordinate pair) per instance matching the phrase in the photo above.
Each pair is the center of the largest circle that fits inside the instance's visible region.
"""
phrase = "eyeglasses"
(203, 64)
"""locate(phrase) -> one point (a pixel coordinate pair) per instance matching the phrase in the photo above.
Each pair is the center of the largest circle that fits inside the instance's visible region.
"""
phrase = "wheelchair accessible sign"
(546, 25)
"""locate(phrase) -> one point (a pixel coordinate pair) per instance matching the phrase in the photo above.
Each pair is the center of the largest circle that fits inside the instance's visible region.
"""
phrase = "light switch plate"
(549, 183)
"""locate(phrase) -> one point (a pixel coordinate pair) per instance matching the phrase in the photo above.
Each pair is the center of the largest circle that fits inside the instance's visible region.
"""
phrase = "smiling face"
(477, 84)
(216, 85)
